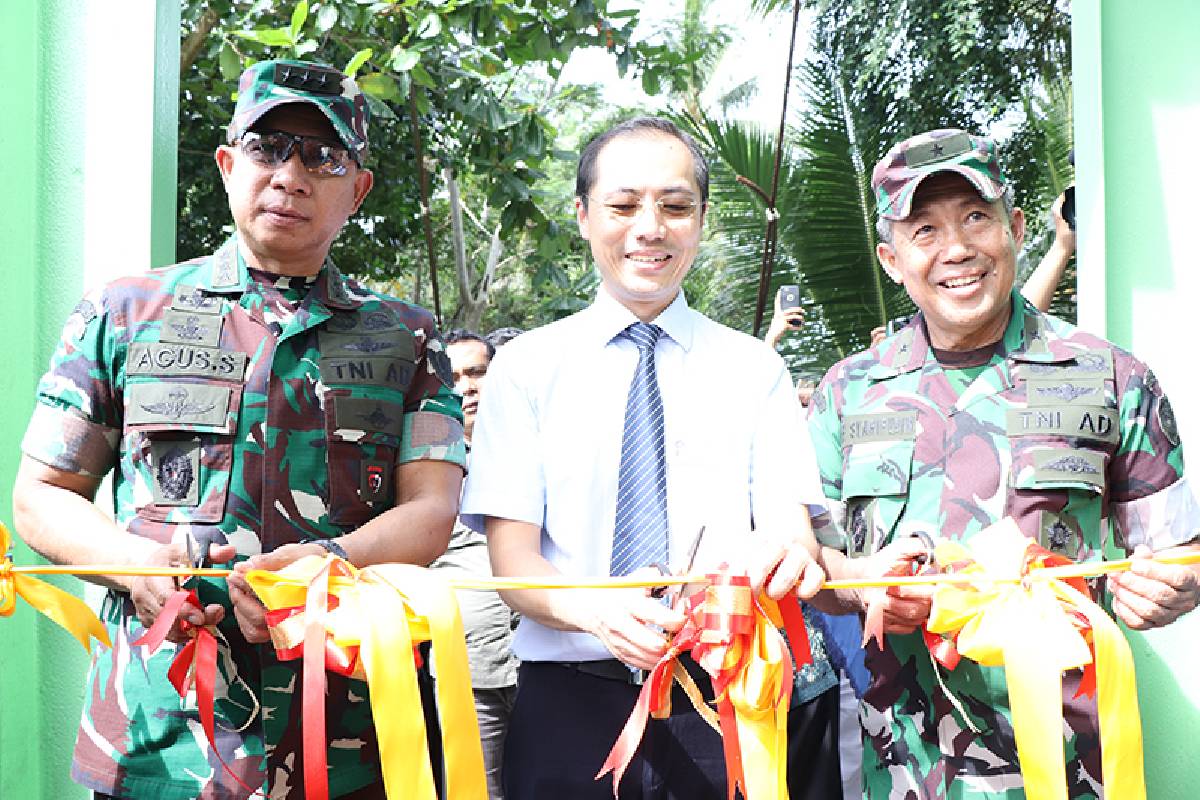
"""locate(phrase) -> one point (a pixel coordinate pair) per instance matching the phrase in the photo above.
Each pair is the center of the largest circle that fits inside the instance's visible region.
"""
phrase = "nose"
(465, 386)
(648, 223)
(958, 244)
(292, 177)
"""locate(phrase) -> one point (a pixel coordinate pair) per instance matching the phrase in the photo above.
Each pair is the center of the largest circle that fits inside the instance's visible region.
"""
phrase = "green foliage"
(483, 77)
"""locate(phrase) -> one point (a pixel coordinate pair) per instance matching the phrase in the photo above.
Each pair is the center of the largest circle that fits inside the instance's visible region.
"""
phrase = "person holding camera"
(984, 407)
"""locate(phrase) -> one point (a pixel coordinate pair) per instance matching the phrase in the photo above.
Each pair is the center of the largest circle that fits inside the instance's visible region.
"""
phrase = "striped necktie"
(640, 535)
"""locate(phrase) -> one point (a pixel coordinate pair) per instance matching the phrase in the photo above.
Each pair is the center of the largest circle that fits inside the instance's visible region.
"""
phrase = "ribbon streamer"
(64, 608)
(380, 614)
(735, 639)
(1010, 615)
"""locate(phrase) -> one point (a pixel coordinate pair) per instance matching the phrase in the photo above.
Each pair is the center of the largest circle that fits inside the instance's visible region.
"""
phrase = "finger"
(653, 612)
(1160, 585)
(811, 580)
(221, 553)
(1130, 617)
(765, 558)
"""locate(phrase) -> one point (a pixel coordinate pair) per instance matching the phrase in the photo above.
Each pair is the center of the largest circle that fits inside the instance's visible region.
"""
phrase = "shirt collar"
(608, 318)
(1027, 337)
(227, 273)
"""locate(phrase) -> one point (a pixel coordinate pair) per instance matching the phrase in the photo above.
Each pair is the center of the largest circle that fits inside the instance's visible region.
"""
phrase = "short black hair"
(502, 336)
(585, 173)
(457, 335)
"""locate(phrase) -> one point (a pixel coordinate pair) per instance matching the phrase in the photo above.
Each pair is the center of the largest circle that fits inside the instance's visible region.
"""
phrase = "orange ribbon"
(735, 639)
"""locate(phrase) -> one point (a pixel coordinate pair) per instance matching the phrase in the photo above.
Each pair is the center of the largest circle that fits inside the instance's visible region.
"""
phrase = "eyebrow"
(641, 190)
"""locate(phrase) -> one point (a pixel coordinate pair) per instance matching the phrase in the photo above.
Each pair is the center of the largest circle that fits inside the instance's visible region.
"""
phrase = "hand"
(1064, 236)
(631, 624)
(878, 334)
(150, 593)
(248, 610)
(782, 321)
(780, 566)
(1151, 594)
(895, 609)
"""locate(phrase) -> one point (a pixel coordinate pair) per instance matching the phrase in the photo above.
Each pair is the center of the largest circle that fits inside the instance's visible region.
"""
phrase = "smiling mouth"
(659, 259)
(961, 283)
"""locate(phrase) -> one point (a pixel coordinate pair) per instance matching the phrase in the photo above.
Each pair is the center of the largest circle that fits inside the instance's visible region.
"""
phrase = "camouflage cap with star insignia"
(269, 84)
(898, 174)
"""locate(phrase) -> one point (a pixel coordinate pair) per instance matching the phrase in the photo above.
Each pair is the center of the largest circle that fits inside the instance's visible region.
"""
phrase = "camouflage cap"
(897, 175)
(269, 84)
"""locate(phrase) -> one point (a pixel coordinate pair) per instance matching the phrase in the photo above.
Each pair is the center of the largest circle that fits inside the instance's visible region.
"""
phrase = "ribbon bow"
(1038, 627)
(735, 638)
(66, 609)
(366, 622)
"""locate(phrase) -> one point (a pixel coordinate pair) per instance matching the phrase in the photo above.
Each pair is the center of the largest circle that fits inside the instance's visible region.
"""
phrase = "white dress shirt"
(547, 445)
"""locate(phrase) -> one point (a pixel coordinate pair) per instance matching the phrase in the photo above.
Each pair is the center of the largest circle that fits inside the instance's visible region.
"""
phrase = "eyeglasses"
(673, 208)
(273, 148)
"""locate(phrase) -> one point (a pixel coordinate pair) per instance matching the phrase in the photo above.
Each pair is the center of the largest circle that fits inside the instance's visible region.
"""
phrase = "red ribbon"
(195, 661)
(718, 631)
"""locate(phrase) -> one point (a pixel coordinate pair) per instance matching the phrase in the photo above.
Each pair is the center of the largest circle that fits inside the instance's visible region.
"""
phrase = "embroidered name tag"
(368, 416)
(1055, 391)
(1080, 466)
(1088, 422)
(1088, 364)
(177, 403)
(195, 301)
(153, 358)
(187, 327)
(889, 426)
(367, 371)
(394, 344)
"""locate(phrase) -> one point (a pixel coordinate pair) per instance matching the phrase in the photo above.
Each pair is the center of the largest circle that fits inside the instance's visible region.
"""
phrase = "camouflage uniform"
(1063, 431)
(241, 406)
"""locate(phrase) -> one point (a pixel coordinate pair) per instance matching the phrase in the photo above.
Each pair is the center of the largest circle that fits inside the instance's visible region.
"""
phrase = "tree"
(476, 76)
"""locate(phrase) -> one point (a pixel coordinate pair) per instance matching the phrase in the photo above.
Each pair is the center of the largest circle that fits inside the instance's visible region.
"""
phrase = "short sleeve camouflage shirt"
(239, 407)
(1063, 431)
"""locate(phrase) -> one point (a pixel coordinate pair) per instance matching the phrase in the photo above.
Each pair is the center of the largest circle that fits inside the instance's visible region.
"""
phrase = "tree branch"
(189, 51)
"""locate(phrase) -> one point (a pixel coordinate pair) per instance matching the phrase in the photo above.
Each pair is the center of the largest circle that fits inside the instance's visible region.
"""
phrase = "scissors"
(659, 591)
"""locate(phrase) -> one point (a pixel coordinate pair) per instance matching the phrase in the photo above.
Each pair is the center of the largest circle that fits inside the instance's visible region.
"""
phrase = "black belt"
(609, 668)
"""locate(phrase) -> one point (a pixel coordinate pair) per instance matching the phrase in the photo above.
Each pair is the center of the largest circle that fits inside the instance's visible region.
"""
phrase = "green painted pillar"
(1137, 113)
(88, 177)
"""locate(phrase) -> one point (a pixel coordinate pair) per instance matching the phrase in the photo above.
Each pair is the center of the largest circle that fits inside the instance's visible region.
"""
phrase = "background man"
(487, 621)
(605, 441)
(1099, 465)
(260, 402)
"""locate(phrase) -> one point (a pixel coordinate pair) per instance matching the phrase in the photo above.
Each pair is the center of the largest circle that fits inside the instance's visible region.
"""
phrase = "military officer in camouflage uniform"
(984, 407)
(268, 407)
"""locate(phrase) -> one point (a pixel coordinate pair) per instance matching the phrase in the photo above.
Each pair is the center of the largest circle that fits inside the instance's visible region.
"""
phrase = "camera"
(789, 297)
(1068, 207)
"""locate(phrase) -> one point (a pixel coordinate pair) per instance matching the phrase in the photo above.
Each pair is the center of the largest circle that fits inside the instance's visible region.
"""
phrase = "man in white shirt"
(605, 442)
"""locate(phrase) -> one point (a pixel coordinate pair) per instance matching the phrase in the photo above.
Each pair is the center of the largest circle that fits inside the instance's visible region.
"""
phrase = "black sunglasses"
(273, 148)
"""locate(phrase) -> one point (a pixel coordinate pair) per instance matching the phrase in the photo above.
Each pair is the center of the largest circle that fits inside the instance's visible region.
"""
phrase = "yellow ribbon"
(1024, 625)
(66, 609)
(759, 695)
(385, 610)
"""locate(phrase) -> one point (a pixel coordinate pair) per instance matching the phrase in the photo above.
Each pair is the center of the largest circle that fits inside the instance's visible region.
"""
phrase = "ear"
(224, 158)
(581, 217)
(887, 259)
(1016, 224)
(364, 179)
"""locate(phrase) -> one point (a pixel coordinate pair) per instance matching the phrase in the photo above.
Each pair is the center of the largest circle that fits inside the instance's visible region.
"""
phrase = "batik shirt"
(1063, 431)
(247, 408)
